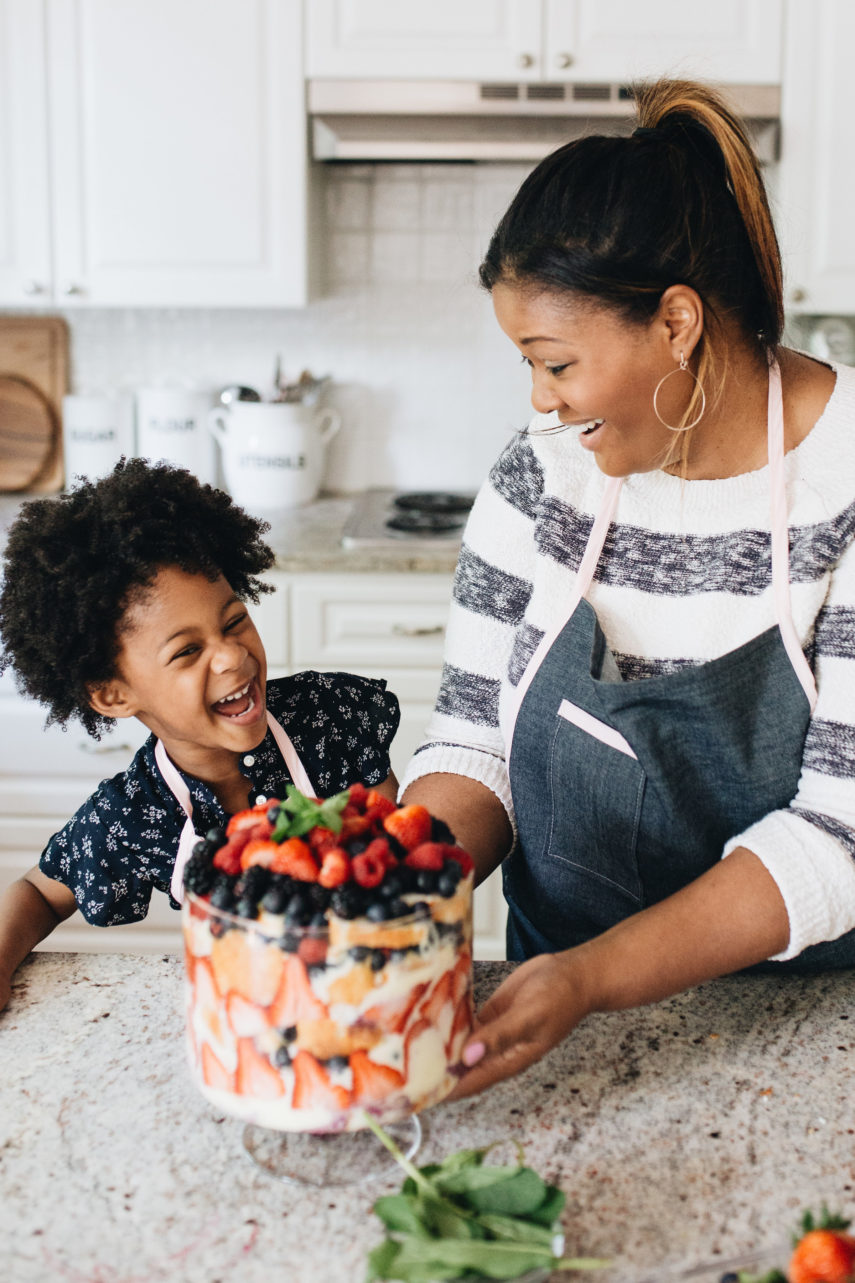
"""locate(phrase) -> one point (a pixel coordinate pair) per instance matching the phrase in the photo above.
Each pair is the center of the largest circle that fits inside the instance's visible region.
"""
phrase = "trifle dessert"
(328, 947)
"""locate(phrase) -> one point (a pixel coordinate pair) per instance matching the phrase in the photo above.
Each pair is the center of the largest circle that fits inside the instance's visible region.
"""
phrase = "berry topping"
(369, 869)
(430, 855)
(294, 857)
(410, 825)
(335, 867)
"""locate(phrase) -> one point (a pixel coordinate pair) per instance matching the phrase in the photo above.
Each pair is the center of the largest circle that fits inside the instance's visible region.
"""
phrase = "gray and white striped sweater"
(685, 576)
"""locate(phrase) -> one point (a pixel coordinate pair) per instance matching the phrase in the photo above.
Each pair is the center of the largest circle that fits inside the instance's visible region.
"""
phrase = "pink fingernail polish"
(473, 1053)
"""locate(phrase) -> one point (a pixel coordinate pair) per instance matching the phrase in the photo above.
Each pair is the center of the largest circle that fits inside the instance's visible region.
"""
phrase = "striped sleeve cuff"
(814, 874)
(456, 759)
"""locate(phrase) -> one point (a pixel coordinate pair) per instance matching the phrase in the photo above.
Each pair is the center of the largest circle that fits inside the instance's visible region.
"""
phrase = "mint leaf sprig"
(298, 814)
(463, 1218)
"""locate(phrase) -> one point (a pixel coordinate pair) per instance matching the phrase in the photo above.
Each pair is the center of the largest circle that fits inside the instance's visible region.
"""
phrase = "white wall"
(428, 386)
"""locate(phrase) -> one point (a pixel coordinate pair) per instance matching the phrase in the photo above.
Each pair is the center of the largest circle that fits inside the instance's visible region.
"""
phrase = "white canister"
(96, 431)
(273, 452)
(172, 424)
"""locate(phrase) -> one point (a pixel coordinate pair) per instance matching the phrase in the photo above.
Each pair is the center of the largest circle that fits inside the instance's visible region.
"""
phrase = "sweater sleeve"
(485, 635)
(809, 848)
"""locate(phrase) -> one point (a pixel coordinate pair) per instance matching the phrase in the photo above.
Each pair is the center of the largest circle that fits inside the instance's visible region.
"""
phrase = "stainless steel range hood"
(436, 120)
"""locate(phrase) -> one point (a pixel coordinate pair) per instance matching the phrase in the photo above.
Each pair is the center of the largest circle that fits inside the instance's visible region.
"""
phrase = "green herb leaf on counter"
(298, 814)
(463, 1218)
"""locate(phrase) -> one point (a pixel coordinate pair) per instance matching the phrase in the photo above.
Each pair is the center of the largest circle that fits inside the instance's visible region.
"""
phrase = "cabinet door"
(25, 269)
(620, 40)
(444, 40)
(178, 152)
(817, 179)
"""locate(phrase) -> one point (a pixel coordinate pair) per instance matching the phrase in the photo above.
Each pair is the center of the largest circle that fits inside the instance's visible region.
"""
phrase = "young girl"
(125, 598)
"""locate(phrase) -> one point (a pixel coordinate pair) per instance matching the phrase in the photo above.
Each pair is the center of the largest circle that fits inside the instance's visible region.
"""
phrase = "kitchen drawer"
(381, 621)
(270, 617)
(28, 749)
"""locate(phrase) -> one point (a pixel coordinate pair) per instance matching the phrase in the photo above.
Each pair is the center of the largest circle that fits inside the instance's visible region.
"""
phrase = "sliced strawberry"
(378, 806)
(295, 858)
(461, 1027)
(321, 840)
(416, 1031)
(258, 851)
(251, 819)
(295, 999)
(214, 1072)
(392, 1017)
(335, 867)
(312, 1086)
(373, 1083)
(428, 855)
(436, 1001)
(256, 1076)
(353, 826)
(410, 825)
(246, 1018)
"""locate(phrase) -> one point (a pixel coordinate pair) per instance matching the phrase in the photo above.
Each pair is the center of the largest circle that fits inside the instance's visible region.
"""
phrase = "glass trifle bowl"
(329, 973)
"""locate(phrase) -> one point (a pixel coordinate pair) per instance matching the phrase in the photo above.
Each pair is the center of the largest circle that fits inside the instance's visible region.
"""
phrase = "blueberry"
(297, 910)
(359, 952)
(289, 1033)
(398, 909)
(453, 869)
(378, 960)
(446, 886)
(275, 900)
(378, 911)
(201, 849)
(273, 814)
(222, 896)
(426, 881)
(318, 920)
(358, 844)
(337, 1063)
(246, 907)
(421, 909)
(281, 1056)
(392, 885)
(398, 955)
(289, 942)
(347, 901)
(216, 836)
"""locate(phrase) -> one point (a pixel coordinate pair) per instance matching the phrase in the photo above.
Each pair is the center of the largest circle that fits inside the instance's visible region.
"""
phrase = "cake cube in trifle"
(328, 947)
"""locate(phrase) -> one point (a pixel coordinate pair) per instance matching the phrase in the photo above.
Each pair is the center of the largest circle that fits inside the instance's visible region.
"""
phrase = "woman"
(648, 698)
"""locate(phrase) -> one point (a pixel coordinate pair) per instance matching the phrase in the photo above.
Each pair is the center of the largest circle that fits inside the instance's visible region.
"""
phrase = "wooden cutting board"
(33, 381)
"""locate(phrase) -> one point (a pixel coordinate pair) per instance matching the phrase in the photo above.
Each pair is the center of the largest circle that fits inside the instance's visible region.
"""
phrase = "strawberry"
(353, 826)
(258, 851)
(253, 819)
(824, 1253)
(369, 869)
(214, 1073)
(295, 999)
(378, 806)
(255, 1075)
(312, 1086)
(432, 1007)
(358, 796)
(246, 1018)
(295, 858)
(335, 867)
(373, 1083)
(312, 949)
(409, 825)
(428, 855)
(228, 857)
(393, 1016)
(321, 840)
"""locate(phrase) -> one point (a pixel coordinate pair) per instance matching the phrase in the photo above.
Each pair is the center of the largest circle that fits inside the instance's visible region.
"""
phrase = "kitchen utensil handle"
(217, 423)
(330, 422)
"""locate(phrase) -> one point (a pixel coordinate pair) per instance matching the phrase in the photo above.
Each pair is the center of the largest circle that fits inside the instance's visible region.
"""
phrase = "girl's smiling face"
(192, 668)
(599, 371)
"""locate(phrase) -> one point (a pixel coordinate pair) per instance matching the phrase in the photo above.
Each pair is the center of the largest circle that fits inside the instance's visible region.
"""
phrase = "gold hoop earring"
(684, 365)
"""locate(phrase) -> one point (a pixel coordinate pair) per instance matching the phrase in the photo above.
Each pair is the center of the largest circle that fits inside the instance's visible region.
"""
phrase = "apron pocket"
(595, 794)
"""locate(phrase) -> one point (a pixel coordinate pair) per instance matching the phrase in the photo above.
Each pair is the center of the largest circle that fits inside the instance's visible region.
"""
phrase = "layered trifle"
(329, 961)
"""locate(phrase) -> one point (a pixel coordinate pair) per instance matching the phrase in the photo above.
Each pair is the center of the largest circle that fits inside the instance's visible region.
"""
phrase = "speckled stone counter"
(308, 540)
(681, 1133)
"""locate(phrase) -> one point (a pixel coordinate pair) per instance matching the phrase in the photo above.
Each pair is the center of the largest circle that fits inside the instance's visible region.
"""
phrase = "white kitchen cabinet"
(172, 140)
(381, 625)
(593, 40)
(816, 180)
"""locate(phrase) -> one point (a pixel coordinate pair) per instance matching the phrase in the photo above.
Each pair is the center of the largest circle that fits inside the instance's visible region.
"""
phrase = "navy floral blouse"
(123, 840)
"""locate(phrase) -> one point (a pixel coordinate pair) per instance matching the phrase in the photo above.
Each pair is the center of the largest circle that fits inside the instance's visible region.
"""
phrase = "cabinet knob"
(31, 288)
(433, 630)
(72, 288)
(564, 60)
(798, 295)
(525, 60)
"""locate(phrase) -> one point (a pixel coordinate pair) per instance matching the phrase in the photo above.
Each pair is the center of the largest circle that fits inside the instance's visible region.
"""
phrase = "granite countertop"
(308, 540)
(683, 1132)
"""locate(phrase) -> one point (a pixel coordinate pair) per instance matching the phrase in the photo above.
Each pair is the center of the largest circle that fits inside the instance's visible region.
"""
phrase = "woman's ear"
(682, 313)
(111, 698)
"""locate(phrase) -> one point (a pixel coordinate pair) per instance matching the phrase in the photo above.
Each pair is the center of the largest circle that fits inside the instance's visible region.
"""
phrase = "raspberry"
(368, 870)
(430, 855)
(358, 795)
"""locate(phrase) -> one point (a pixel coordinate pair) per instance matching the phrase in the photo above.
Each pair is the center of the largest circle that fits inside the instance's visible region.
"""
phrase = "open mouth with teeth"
(587, 429)
(241, 705)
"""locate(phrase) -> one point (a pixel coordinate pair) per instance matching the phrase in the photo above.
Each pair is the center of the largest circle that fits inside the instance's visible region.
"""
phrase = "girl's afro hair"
(74, 563)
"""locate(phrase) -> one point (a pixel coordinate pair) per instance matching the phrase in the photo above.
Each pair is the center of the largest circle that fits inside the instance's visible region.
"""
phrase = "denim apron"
(181, 793)
(624, 792)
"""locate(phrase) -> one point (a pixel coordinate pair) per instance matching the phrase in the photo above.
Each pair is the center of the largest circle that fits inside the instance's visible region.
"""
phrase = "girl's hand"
(529, 1014)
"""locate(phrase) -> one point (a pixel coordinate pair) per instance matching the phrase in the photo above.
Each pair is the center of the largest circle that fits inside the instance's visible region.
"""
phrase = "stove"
(415, 520)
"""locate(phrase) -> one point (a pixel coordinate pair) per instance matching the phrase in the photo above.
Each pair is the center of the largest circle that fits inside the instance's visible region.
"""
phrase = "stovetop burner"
(416, 520)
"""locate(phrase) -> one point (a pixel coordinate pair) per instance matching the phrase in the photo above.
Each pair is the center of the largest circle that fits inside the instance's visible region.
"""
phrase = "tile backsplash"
(428, 387)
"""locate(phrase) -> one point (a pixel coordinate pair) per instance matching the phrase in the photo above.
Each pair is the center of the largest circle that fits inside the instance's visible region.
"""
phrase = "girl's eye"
(182, 654)
(234, 623)
(555, 369)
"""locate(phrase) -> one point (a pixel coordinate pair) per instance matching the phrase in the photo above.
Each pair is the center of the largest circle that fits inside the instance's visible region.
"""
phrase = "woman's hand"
(528, 1015)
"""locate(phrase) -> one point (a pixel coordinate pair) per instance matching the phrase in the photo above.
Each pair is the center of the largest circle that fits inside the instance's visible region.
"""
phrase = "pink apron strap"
(172, 777)
(781, 539)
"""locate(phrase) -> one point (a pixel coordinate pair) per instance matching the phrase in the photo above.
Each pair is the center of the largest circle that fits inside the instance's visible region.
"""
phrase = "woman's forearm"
(731, 917)
(474, 814)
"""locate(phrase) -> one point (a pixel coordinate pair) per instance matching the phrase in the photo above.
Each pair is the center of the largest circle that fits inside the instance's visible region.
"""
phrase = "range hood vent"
(436, 120)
